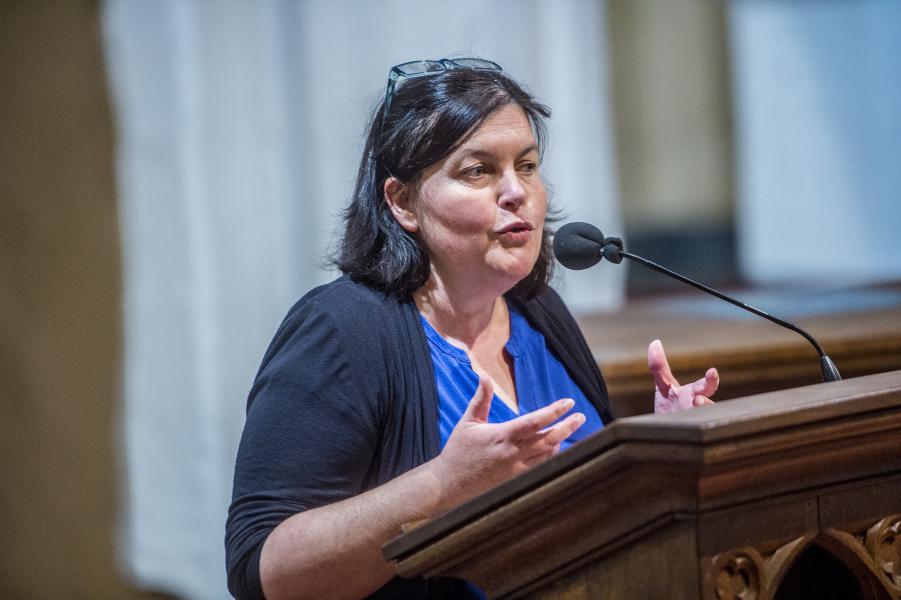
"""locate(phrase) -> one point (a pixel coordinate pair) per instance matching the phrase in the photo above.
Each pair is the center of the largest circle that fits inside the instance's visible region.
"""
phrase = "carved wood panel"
(870, 551)
(883, 544)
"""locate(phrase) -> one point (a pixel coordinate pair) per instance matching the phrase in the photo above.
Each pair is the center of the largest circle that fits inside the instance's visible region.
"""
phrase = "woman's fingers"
(540, 458)
(480, 404)
(659, 367)
(702, 401)
(527, 425)
(563, 429)
(547, 440)
(707, 385)
(670, 395)
(479, 454)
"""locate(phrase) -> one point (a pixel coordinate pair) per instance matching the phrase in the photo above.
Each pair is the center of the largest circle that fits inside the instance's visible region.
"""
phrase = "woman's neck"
(462, 315)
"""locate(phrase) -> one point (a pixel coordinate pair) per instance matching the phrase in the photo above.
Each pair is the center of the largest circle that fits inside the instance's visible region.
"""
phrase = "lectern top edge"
(800, 408)
(752, 414)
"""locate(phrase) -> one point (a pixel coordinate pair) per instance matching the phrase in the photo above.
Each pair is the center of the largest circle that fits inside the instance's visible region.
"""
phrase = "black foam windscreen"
(578, 245)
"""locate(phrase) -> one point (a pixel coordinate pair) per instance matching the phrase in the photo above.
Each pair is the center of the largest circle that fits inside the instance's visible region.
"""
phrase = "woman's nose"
(511, 193)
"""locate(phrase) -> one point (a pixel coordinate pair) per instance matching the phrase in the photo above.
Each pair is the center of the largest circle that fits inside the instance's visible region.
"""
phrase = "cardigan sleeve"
(310, 436)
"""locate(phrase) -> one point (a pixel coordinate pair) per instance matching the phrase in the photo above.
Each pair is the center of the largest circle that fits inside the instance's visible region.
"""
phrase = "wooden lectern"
(790, 494)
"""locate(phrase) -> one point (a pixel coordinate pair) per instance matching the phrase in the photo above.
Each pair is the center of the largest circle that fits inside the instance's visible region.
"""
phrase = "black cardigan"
(344, 401)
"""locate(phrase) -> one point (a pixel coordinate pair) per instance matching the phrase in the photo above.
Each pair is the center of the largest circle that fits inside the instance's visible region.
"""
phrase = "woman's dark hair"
(430, 116)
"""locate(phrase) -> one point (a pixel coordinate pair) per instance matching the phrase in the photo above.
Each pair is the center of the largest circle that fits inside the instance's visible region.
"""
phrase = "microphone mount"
(613, 249)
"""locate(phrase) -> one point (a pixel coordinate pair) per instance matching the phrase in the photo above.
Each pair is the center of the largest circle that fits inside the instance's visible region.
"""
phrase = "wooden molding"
(734, 485)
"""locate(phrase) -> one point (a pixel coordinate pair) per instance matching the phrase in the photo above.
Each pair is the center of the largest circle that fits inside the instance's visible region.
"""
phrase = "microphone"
(579, 246)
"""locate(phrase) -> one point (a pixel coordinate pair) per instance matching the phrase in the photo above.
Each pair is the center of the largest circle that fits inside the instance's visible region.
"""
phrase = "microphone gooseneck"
(582, 245)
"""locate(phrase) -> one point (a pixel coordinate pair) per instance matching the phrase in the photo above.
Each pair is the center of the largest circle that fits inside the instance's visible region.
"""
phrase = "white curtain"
(240, 125)
(817, 89)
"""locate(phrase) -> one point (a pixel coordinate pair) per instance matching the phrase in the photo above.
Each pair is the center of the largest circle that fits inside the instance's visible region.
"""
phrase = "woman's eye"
(476, 171)
(528, 167)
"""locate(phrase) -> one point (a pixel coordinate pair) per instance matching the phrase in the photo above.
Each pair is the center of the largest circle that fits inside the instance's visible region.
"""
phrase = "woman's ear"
(397, 196)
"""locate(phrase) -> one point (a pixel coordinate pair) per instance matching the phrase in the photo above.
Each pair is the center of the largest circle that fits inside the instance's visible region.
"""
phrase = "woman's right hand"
(480, 455)
(299, 557)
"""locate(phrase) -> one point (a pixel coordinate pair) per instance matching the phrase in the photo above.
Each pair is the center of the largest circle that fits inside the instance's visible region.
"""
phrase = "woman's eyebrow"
(478, 152)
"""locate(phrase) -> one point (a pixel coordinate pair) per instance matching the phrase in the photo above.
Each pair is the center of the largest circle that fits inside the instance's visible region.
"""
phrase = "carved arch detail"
(871, 553)
(738, 575)
(883, 542)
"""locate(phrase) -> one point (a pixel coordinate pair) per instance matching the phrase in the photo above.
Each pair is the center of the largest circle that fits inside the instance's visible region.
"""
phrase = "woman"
(441, 364)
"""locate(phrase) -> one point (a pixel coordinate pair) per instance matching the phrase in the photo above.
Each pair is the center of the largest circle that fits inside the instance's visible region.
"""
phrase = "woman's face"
(480, 211)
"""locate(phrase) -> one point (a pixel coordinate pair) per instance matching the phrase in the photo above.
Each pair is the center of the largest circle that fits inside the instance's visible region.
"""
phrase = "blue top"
(346, 356)
(538, 376)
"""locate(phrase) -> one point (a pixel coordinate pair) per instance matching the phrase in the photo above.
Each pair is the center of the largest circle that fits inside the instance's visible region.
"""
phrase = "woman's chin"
(513, 273)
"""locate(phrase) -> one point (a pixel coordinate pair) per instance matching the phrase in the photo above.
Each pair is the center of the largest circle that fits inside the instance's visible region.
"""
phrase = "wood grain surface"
(723, 501)
(751, 354)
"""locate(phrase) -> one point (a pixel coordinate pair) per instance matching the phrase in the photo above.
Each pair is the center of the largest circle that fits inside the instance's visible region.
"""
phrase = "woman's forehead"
(507, 129)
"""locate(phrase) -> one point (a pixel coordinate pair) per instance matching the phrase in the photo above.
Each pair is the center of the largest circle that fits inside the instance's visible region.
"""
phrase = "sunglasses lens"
(418, 67)
(476, 63)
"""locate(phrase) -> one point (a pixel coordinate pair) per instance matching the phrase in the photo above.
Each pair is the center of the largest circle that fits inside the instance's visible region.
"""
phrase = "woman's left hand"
(672, 397)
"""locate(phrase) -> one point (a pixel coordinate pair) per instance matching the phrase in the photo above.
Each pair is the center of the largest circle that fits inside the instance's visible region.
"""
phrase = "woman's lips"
(516, 227)
(515, 234)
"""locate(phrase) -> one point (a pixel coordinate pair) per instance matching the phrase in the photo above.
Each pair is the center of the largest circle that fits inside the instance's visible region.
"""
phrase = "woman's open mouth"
(516, 233)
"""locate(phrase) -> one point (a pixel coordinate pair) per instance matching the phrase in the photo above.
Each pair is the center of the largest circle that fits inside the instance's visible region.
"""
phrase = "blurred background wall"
(239, 132)
(60, 308)
(171, 173)
(817, 87)
(671, 92)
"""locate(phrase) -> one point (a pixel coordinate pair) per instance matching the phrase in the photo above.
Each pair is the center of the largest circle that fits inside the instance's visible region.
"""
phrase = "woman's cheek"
(469, 220)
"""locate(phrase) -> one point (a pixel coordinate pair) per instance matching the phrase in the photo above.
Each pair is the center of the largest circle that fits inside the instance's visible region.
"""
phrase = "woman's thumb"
(480, 404)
